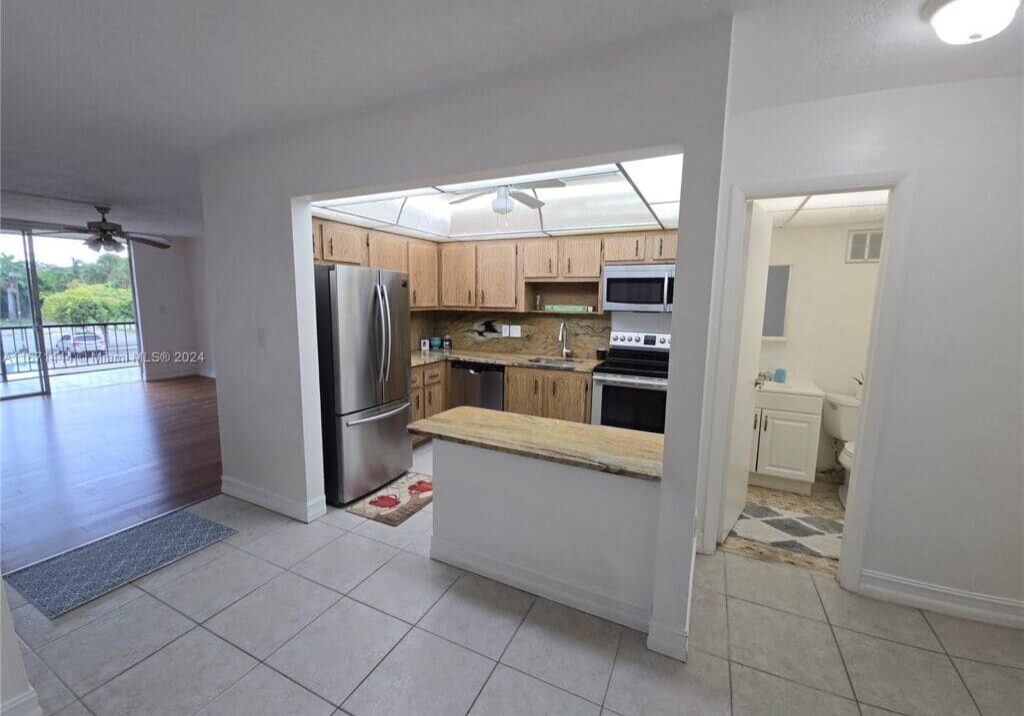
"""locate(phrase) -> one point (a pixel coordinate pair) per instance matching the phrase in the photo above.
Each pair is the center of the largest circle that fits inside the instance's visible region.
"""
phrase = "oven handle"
(631, 382)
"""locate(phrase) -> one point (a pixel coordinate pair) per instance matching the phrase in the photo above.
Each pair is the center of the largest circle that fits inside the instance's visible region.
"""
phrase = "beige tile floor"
(330, 620)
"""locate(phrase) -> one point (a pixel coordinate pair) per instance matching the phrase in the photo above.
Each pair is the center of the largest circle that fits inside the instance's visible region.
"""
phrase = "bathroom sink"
(563, 363)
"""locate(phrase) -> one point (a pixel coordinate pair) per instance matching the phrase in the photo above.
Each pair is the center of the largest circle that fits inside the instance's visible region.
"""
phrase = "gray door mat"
(59, 584)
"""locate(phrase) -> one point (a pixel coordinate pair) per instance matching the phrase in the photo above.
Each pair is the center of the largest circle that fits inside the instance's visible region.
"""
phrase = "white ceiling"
(630, 195)
(793, 212)
(114, 101)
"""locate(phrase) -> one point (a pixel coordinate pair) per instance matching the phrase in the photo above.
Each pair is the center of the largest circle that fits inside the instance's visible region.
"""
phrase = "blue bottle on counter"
(780, 375)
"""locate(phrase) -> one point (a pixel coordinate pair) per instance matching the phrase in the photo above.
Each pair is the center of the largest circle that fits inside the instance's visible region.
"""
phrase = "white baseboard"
(183, 372)
(24, 704)
(945, 600)
(302, 511)
(572, 595)
(667, 641)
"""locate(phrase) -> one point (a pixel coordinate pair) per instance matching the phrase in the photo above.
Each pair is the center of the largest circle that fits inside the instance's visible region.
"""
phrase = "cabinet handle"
(332, 247)
(660, 252)
(554, 387)
(481, 297)
(430, 400)
(764, 425)
(757, 419)
(636, 247)
(536, 385)
(550, 269)
(414, 295)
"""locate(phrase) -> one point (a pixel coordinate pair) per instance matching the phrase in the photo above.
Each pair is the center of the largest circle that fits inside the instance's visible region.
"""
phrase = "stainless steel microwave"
(645, 288)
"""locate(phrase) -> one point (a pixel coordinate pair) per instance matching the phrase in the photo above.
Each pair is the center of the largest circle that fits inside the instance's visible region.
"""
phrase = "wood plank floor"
(83, 464)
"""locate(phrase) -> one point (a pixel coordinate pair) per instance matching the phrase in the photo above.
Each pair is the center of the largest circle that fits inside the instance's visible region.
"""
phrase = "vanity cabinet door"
(787, 444)
(524, 391)
(567, 396)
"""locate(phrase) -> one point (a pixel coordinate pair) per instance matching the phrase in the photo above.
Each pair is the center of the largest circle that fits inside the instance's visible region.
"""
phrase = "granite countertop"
(629, 453)
(793, 386)
(582, 365)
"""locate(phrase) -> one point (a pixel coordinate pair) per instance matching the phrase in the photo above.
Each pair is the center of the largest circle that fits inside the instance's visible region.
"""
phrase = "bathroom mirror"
(775, 302)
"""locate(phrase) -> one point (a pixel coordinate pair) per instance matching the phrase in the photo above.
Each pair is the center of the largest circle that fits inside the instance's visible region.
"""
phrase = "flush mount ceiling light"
(964, 22)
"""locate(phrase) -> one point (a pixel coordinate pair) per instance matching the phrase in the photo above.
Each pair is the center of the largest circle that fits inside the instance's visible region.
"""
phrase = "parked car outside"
(81, 344)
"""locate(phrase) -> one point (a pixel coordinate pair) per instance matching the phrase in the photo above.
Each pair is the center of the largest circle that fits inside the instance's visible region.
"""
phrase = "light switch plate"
(515, 331)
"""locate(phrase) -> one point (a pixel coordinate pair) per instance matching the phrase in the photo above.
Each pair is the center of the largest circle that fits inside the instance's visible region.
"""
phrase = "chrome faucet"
(563, 336)
(765, 376)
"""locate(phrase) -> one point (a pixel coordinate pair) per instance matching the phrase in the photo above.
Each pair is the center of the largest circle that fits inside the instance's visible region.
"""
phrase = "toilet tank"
(839, 416)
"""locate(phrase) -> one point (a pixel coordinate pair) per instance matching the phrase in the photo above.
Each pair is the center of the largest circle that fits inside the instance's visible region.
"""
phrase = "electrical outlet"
(515, 331)
(506, 331)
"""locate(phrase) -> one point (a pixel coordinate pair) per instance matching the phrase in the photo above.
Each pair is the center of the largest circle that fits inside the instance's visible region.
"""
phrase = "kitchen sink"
(562, 363)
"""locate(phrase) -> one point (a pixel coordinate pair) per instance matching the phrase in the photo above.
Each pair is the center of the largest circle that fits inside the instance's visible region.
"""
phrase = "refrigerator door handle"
(381, 416)
(383, 330)
(391, 338)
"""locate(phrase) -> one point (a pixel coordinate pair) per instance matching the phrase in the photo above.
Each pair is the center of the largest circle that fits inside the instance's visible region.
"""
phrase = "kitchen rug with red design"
(397, 501)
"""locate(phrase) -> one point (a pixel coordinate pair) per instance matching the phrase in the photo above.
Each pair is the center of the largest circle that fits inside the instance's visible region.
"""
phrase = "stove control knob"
(662, 340)
(630, 339)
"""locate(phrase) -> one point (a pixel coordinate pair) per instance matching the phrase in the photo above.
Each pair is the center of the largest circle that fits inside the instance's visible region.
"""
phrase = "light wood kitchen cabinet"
(433, 399)
(388, 251)
(416, 398)
(343, 243)
(540, 258)
(567, 396)
(496, 274)
(422, 274)
(661, 245)
(558, 394)
(625, 248)
(318, 244)
(524, 392)
(580, 258)
(458, 275)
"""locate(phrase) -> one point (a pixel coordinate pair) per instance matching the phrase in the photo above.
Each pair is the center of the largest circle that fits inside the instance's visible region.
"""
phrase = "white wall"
(196, 264)
(830, 304)
(939, 481)
(167, 313)
(599, 105)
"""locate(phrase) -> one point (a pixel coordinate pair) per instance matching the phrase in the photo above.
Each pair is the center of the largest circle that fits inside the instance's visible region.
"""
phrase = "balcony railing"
(69, 347)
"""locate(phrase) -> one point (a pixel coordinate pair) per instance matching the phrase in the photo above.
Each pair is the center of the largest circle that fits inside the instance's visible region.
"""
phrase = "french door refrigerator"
(362, 318)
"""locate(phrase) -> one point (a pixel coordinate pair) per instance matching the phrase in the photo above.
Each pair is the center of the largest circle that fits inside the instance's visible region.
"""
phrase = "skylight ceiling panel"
(385, 211)
(667, 213)
(593, 202)
(526, 178)
(377, 197)
(852, 198)
(429, 214)
(658, 179)
(476, 218)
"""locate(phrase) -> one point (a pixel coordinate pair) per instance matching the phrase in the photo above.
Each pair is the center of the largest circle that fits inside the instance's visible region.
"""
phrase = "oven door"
(629, 402)
(643, 289)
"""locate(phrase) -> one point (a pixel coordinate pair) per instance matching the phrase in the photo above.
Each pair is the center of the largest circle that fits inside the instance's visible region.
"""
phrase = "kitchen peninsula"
(560, 509)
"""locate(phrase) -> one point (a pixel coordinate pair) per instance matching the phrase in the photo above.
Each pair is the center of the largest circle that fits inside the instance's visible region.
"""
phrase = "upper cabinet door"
(343, 244)
(422, 274)
(389, 252)
(625, 248)
(318, 244)
(540, 258)
(458, 275)
(496, 274)
(661, 245)
(580, 258)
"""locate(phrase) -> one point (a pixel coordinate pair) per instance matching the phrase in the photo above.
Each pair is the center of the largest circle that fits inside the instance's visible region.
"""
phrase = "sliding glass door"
(23, 368)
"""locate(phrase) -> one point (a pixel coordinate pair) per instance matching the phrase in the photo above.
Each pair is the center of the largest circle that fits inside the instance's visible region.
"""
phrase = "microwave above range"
(641, 288)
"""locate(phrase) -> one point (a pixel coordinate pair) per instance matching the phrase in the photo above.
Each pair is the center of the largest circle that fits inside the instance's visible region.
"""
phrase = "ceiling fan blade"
(541, 184)
(470, 196)
(156, 241)
(526, 199)
(64, 230)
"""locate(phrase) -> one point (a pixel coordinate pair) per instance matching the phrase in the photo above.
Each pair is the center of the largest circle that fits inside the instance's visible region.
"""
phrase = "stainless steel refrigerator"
(362, 320)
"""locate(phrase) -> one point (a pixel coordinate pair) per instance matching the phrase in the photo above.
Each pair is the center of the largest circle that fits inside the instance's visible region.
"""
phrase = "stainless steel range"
(630, 387)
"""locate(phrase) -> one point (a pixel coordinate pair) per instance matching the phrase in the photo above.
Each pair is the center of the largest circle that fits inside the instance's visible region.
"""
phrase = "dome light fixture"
(502, 203)
(964, 22)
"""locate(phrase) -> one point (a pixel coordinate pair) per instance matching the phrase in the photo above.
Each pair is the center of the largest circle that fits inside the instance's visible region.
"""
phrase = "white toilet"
(839, 419)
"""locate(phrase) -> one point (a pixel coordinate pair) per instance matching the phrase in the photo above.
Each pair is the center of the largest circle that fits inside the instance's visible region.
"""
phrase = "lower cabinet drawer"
(433, 374)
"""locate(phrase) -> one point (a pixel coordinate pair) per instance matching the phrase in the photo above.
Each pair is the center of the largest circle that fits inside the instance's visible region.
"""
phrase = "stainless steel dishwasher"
(481, 385)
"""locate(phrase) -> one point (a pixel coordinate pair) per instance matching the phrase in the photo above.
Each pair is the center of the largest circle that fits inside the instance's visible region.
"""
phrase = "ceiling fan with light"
(509, 193)
(105, 235)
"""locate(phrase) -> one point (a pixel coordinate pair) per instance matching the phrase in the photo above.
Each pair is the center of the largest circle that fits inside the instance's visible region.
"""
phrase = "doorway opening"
(803, 345)
(67, 316)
